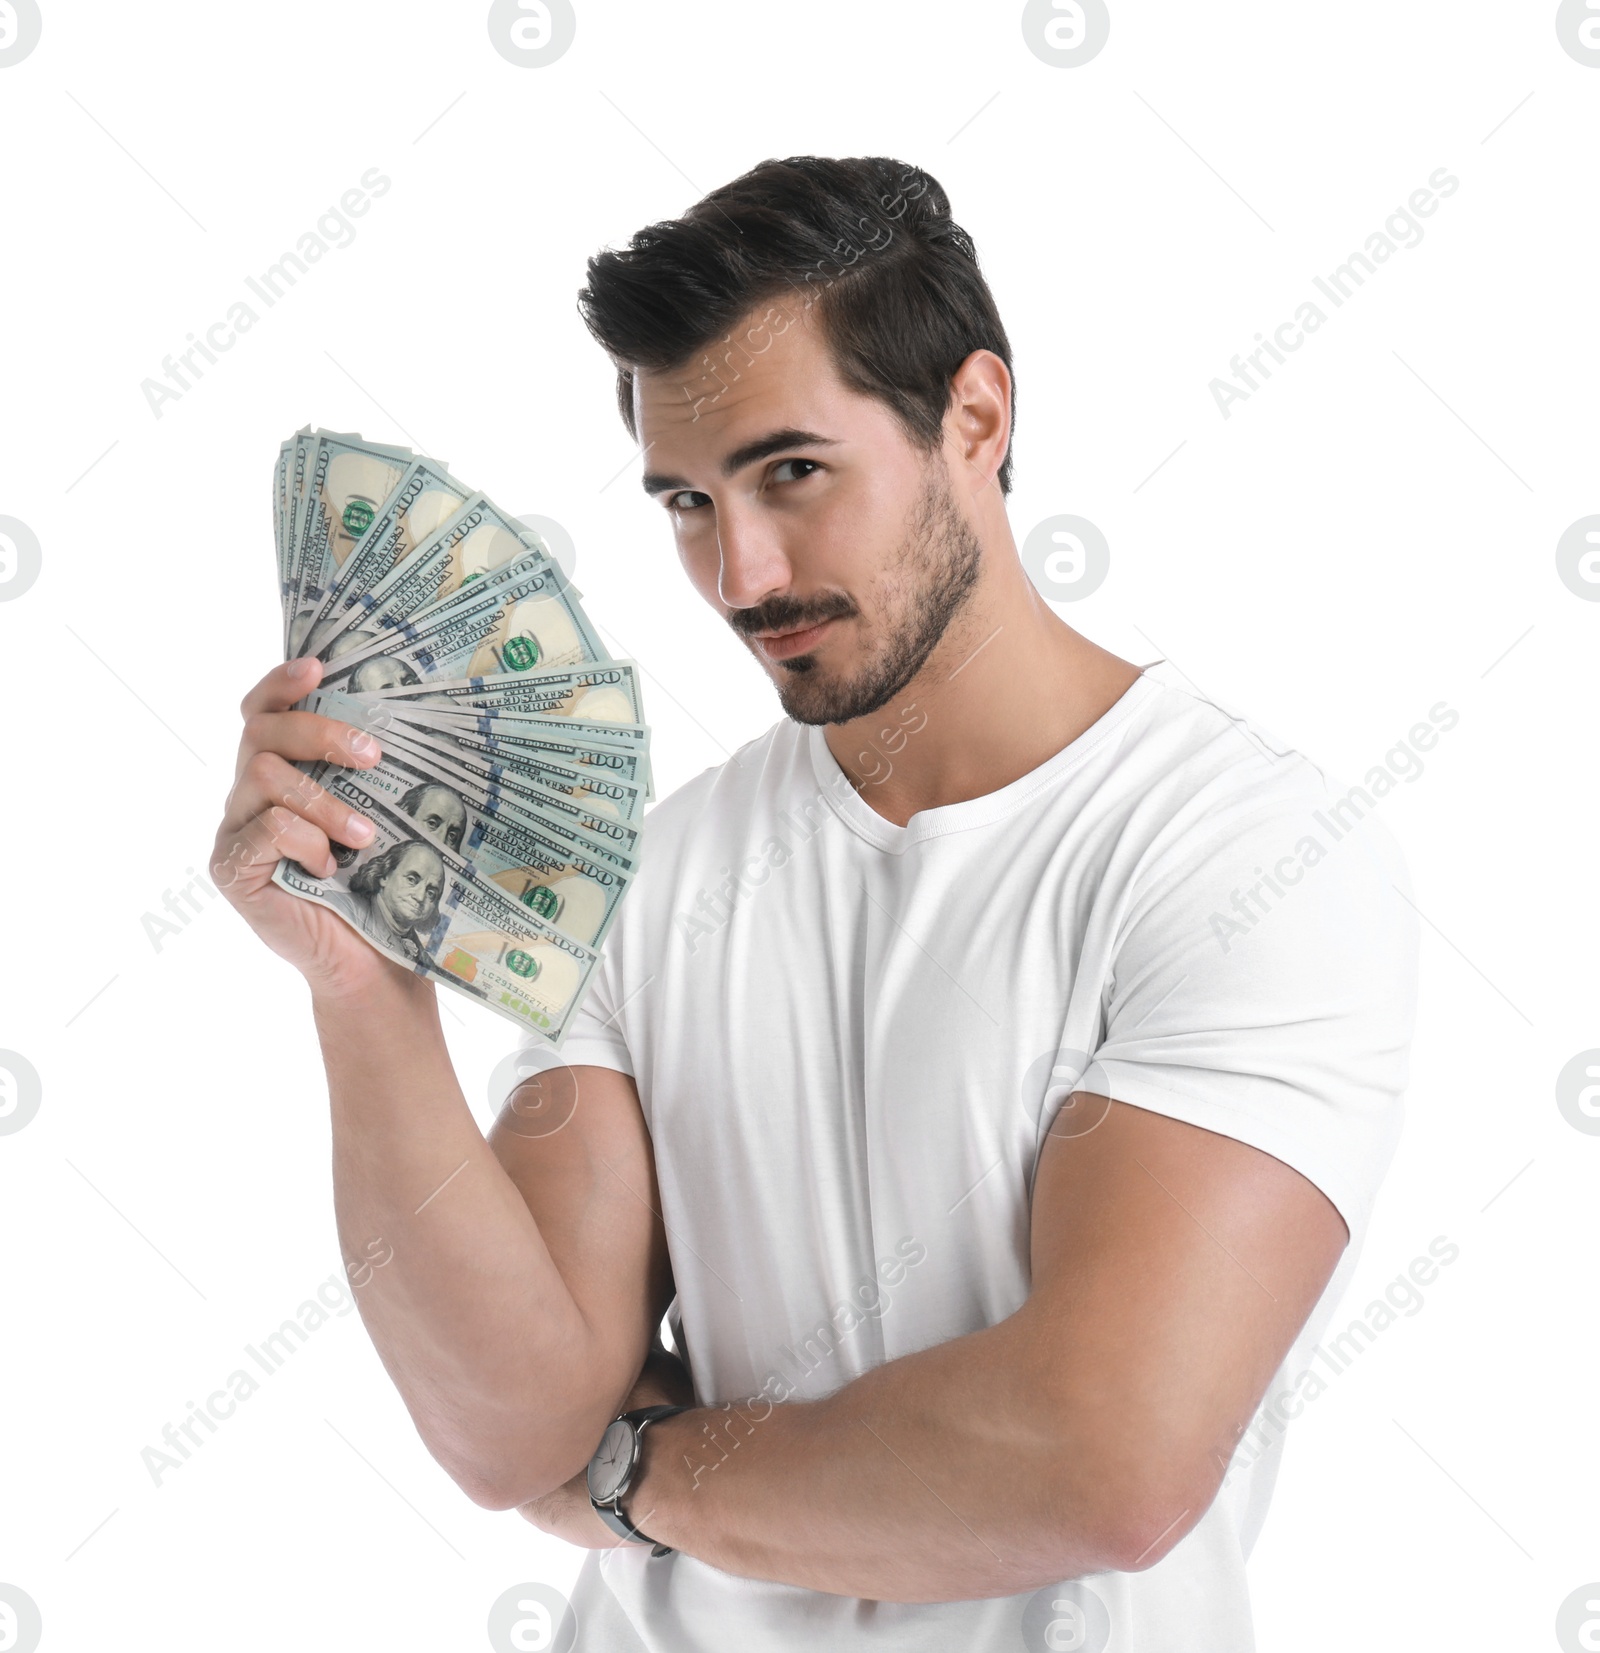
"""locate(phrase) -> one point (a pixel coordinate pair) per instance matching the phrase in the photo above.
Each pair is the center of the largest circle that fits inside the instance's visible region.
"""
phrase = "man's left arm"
(1172, 1268)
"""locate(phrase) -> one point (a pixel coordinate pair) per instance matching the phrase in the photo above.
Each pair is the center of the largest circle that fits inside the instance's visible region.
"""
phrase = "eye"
(783, 462)
(686, 493)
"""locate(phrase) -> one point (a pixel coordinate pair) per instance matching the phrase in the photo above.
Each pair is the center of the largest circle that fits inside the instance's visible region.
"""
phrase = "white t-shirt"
(850, 1037)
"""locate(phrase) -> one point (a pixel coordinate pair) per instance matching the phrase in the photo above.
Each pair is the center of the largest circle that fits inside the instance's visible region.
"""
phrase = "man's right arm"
(520, 1284)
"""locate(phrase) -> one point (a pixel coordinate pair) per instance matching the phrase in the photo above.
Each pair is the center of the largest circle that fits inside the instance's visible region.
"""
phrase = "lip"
(784, 645)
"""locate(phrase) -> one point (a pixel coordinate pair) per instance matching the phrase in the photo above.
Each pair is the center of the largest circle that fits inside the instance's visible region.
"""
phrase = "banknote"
(534, 621)
(346, 484)
(511, 787)
(498, 789)
(420, 905)
(576, 891)
(607, 693)
(426, 499)
(590, 820)
(480, 542)
(621, 750)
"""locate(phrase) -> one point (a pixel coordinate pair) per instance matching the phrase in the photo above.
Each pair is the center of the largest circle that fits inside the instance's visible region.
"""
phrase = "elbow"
(1127, 1516)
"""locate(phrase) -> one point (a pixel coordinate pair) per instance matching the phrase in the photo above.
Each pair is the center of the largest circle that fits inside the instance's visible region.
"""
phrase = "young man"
(983, 1070)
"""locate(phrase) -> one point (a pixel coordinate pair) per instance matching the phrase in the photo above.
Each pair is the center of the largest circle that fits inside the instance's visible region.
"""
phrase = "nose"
(753, 563)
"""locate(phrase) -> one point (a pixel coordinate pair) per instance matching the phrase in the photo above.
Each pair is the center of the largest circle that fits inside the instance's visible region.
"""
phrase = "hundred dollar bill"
(506, 788)
(606, 793)
(589, 820)
(348, 483)
(419, 905)
(607, 693)
(295, 482)
(568, 887)
(533, 621)
(521, 763)
(280, 484)
(579, 745)
(479, 543)
(425, 500)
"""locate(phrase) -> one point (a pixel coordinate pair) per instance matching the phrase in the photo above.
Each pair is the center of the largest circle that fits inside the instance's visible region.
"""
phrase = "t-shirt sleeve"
(594, 1038)
(1264, 987)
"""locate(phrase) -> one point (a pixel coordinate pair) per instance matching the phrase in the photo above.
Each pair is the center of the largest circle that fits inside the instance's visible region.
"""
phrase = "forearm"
(945, 1475)
(455, 1284)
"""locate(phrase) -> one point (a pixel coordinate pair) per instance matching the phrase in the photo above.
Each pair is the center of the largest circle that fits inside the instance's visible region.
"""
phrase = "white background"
(1366, 536)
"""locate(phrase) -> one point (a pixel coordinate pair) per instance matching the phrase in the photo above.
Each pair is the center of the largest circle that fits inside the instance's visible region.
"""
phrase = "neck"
(1008, 686)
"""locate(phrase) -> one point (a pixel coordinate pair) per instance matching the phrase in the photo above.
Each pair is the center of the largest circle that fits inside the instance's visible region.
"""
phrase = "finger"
(269, 780)
(283, 685)
(263, 841)
(307, 737)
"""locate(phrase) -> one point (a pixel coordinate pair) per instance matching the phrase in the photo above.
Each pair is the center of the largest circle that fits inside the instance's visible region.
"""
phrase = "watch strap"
(612, 1512)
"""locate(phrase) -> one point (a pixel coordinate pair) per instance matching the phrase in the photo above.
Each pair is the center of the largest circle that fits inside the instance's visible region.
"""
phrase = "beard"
(934, 572)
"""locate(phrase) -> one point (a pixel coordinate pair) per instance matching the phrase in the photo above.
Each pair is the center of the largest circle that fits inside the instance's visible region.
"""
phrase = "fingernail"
(303, 666)
(357, 830)
(364, 746)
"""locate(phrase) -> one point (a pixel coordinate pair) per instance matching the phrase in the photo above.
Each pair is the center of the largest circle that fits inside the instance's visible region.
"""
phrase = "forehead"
(775, 371)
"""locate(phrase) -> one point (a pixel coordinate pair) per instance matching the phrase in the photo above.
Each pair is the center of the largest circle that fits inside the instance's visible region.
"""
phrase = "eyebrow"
(763, 447)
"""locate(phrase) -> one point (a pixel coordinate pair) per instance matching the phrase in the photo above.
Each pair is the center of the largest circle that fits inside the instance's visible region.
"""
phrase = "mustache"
(790, 614)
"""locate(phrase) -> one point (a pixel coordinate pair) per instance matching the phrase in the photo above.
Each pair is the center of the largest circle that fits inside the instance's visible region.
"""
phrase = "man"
(965, 1072)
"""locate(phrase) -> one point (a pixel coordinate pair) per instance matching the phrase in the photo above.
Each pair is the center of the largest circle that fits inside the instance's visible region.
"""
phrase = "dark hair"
(870, 241)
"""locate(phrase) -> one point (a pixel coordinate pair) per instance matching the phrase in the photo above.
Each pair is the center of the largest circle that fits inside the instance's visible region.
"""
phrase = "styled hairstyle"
(869, 241)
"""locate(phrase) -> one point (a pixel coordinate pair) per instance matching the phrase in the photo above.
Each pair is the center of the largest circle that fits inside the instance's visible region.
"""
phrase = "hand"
(567, 1514)
(275, 810)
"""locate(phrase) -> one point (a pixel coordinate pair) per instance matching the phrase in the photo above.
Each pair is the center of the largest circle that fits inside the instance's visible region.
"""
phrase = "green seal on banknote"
(521, 653)
(358, 516)
(544, 900)
(521, 964)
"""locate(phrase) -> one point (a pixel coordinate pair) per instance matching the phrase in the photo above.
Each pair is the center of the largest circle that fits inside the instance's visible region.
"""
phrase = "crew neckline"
(943, 819)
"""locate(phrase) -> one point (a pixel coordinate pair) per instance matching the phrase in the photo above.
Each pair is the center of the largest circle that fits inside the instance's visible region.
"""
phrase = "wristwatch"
(613, 1467)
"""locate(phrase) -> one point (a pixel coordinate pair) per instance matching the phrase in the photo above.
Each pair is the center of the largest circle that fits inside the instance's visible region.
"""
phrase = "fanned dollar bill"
(509, 798)
(576, 889)
(530, 620)
(422, 906)
(427, 498)
(346, 483)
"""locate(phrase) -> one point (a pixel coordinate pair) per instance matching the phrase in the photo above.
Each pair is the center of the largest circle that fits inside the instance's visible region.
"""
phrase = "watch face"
(613, 1461)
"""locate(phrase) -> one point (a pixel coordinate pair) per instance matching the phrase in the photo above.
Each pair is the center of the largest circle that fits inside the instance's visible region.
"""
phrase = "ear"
(978, 420)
